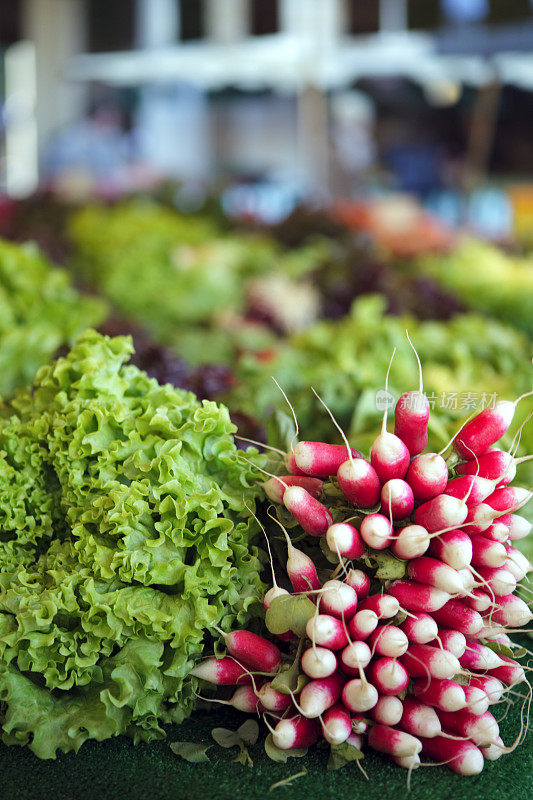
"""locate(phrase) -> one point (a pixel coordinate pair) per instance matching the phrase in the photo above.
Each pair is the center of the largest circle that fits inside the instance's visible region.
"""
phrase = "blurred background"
(257, 188)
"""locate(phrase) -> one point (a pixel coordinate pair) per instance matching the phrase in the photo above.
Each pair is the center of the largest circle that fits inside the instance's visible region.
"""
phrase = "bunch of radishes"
(412, 665)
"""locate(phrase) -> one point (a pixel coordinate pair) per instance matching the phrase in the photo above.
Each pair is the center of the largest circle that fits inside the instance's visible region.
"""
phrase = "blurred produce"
(39, 311)
(488, 279)
(41, 218)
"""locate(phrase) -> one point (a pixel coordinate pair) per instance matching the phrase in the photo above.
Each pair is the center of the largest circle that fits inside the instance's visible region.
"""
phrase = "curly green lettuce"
(125, 535)
(40, 311)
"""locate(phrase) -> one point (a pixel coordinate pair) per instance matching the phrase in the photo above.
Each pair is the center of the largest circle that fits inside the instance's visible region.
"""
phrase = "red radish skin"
(376, 531)
(296, 732)
(397, 499)
(427, 476)
(246, 700)
(319, 662)
(388, 675)
(477, 701)
(510, 611)
(510, 674)
(273, 700)
(393, 742)
(359, 581)
(517, 526)
(290, 463)
(221, 671)
(480, 728)
(461, 757)
(301, 570)
(385, 606)
(411, 541)
(484, 430)
(389, 456)
(470, 488)
(479, 657)
(327, 631)
(362, 624)
(508, 498)
(445, 694)
(453, 547)
(336, 724)
(419, 719)
(355, 657)
(492, 687)
(494, 465)
(479, 518)
(338, 599)
(441, 513)
(314, 517)
(517, 563)
(435, 573)
(321, 460)
(420, 629)
(423, 659)
(456, 614)
(478, 600)
(253, 650)
(413, 596)
(359, 695)
(388, 640)
(275, 487)
(319, 695)
(411, 416)
(359, 483)
(499, 579)
(387, 711)
(344, 540)
(452, 641)
(486, 553)
(498, 531)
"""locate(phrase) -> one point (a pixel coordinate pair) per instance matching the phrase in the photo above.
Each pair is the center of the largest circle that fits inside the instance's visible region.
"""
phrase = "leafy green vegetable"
(342, 754)
(290, 678)
(289, 613)
(389, 568)
(276, 754)
(245, 735)
(191, 751)
(39, 311)
(126, 535)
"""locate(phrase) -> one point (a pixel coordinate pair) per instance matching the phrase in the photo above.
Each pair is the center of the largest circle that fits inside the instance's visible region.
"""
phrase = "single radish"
(420, 628)
(274, 488)
(319, 695)
(295, 732)
(480, 518)
(484, 430)
(359, 581)
(383, 605)
(518, 527)
(321, 460)
(477, 701)
(360, 724)
(411, 417)
(440, 513)
(423, 659)
(355, 657)
(359, 482)
(388, 675)
(338, 599)
(510, 674)
(453, 547)
(427, 476)
(480, 728)
(452, 641)
(255, 651)
(362, 624)
(444, 694)
(517, 562)
(388, 640)
(358, 695)
(478, 656)
(221, 671)
(376, 531)
(344, 540)
(498, 579)
(300, 568)
(494, 751)
(419, 719)
(417, 597)
(336, 724)
(435, 573)
(455, 614)
(410, 542)
(496, 465)
(470, 488)
(319, 662)
(486, 553)
(510, 611)
(355, 741)
(387, 711)
(498, 531)
(290, 463)
(397, 498)
(461, 757)
(478, 600)
(314, 517)
(244, 699)
(272, 699)
(508, 498)
(393, 742)
(389, 456)
(468, 579)
(326, 631)
(492, 687)
(407, 762)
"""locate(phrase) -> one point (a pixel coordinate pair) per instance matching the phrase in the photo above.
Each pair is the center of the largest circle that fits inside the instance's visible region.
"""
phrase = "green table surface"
(117, 769)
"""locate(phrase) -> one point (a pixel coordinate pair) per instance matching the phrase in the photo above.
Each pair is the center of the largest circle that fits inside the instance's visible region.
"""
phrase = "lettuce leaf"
(125, 538)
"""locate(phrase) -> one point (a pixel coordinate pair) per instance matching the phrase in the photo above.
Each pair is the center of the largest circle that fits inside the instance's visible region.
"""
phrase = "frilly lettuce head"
(125, 536)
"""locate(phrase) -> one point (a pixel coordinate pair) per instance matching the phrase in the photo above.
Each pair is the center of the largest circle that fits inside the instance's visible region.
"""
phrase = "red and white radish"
(319, 459)
(496, 465)
(275, 487)
(452, 641)
(417, 597)
(470, 488)
(420, 628)
(487, 553)
(319, 695)
(358, 695)
(336, 724)
(359, 483)
(480, 728)
(435, 573)
(388, 675)
(312, 515)
(397, 498)
(477, 701)
(510, 611)
(344, 540)
(461, 757)
(338, 599)
(410, 542)
(423, 659)
(319, 662)
(272, 699)
(393, 742)
(441, 513)
(362, 624)
(427, 476)
(326, 631)
(355, 657)
(453, 547)
(254, 651)
(385, 606)
(221, 671)
(419, 719)
(484, 430)
(444, 694)
(376, 531)
(457, 615)
(388, 640)
(359, 581)
(298, 731)
(387, 711)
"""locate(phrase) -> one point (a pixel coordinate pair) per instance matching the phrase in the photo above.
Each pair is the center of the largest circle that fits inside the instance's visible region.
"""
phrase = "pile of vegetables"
(39, 312)
(126, 518)
(393, 634)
